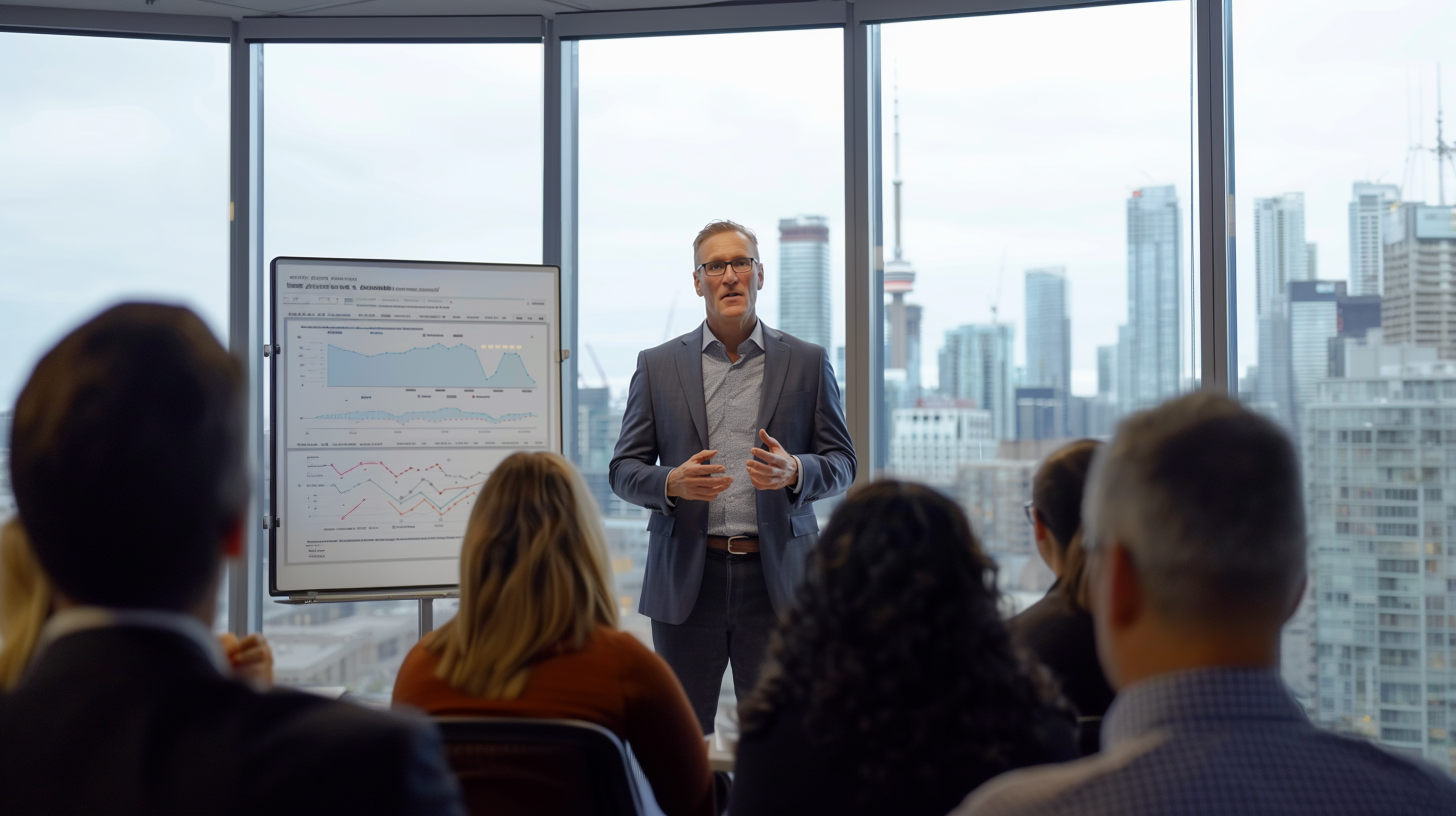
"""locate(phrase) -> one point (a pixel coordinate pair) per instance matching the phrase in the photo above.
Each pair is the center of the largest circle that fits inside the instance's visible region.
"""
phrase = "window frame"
(1212, 182)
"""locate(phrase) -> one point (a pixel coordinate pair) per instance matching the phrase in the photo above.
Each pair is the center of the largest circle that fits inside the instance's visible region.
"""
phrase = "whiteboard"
(397, 387)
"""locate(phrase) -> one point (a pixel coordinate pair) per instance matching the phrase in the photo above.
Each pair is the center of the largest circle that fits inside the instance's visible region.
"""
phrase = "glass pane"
(1345, 329)
(418, 152)
(1037, 246)
(746, 127)
(113, 186)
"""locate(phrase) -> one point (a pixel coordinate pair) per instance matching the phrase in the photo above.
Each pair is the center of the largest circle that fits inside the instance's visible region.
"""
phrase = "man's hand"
(696, 481)
(251, 658)
(772, 469)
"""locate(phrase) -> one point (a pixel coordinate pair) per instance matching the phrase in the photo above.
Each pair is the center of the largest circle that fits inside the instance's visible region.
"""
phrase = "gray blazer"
(667, 421)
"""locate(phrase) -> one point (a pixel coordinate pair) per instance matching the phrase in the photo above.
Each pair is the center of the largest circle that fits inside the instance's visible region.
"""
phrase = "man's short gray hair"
(1205, 496)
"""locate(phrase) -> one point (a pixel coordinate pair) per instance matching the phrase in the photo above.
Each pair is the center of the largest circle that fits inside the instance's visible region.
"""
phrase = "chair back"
(509, 765)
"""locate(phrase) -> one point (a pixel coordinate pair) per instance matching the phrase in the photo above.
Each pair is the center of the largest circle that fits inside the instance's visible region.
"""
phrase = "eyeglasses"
(1029, 508)
(715, 268)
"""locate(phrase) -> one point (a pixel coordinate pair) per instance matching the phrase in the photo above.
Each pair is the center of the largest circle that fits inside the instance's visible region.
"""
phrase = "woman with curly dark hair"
(892, 686)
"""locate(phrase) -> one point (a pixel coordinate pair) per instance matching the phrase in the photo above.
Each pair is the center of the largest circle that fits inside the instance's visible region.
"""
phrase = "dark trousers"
(730, 623)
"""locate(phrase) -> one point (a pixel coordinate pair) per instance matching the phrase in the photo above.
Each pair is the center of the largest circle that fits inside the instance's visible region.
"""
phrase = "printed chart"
(367, 506)
(428, 385)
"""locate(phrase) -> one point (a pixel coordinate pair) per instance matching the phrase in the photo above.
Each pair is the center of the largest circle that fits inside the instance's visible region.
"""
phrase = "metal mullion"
(559, 230)
(863, 375)
(701, 19)
(245, 324)
(1214, 131)
(39, 19)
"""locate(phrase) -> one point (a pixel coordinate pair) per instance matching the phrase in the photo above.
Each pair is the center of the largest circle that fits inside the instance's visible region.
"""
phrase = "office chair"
(509, 766)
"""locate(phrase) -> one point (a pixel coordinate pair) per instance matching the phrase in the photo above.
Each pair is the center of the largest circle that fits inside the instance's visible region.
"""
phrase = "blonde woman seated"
(536, 633)
(27, 599)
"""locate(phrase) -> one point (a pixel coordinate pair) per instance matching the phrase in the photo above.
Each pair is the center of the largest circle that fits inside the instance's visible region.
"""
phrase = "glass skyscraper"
(975, 364)
(1048, 330)
(804, 295)
(1369, 204)
(1151, 343)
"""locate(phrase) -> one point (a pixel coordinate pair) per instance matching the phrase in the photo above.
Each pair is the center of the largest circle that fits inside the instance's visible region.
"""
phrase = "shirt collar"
(83, 618)
(709, 338)
(1221, 695)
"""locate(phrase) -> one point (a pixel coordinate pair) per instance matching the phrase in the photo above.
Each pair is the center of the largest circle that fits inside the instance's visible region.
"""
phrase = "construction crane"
(601, 372)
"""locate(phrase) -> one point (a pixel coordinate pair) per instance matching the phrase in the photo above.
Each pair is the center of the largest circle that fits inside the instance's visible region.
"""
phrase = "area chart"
(438, 365)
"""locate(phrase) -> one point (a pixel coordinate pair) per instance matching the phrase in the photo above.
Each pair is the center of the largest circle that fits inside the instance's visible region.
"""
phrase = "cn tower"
(899, 274)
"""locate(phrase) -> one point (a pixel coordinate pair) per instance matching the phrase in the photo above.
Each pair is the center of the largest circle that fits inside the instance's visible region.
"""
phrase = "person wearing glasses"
(731, 433)
(1057, 629)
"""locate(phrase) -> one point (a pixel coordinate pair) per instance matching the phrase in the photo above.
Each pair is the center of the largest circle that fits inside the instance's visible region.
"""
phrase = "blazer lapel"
(690, 379)
(775, 371)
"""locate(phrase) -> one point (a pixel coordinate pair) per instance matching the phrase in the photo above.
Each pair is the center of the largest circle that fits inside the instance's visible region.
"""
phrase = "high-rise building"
(913, 314)
(1153, 340)
(1358, 315)
(804, 297)
(1048, 330)
(1281, 257)
(993, 493)
(976, 363)
(1041, 413)
(930, 444)
(1369, 204)
(1419, 301)
(1383, 550)
(1313, 320)
(1107, 371)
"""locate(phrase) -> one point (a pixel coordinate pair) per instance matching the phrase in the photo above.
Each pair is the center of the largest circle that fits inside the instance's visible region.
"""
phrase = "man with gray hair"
(1196, 539)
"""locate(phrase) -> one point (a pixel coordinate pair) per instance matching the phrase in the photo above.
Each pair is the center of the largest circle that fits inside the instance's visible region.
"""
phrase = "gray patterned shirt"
(732, 392)
(1210, 742)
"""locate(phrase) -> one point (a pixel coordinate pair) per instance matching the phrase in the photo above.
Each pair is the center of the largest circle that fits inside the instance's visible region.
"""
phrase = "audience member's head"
(127, 460)
(25, 602)
(534, 577)
(897, 654)
(1195, 523)
(1056, 510)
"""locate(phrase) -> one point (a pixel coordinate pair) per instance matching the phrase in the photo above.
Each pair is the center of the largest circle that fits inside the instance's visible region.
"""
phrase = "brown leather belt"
(734, 545)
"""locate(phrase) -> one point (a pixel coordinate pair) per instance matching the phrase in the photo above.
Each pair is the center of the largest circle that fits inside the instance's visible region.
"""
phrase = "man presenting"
(732, 432)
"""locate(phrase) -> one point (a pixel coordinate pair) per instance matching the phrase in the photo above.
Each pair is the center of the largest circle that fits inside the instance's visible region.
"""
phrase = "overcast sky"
(1024, 135)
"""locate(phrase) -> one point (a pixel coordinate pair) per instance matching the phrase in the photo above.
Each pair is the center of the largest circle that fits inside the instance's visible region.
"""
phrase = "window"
(113, 186)
(747, 127)
(1036, 247)
(1345, 239)
(413, 152)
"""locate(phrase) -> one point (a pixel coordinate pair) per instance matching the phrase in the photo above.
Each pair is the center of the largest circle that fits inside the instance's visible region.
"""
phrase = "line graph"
(437, 366)
(437, 415)
(371, 489)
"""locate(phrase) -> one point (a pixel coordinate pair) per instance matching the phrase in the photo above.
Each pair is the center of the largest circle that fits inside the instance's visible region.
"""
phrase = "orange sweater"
(615, 682)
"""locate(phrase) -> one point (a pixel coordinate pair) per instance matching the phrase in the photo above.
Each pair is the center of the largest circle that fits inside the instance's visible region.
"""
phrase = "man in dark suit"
(129, 477)
(731, 433)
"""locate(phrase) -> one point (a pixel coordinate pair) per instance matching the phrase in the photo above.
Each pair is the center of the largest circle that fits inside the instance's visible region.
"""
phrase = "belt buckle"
(731, 539)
